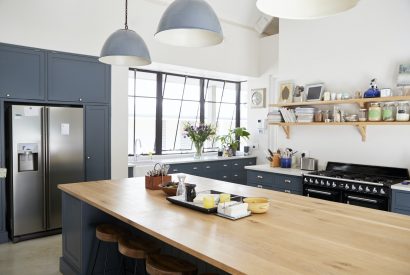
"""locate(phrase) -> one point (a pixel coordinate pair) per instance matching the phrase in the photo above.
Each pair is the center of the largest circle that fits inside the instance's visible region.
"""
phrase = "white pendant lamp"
(125, 47)
(304, 9)
(189, 23)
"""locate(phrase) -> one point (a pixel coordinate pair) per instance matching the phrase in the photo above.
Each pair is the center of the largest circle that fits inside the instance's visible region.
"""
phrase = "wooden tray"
(198, 207)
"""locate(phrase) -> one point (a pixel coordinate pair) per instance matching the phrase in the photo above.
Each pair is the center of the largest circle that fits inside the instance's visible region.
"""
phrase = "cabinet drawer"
(178, 168)
(224, 176)
(286, 182)
(225, 165)
(260, 186)
(401, 200)
(250, 161)
(287, 190)
(238, 177)
(237, 164)
(260, 178)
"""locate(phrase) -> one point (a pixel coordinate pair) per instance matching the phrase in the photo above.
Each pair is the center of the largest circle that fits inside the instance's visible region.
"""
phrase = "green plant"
(231, 140)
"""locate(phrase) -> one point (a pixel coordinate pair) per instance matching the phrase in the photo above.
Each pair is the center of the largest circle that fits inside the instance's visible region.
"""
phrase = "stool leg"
(96, 256)
(121, 264)
(135, 267)
(144, 266)
(106, 258)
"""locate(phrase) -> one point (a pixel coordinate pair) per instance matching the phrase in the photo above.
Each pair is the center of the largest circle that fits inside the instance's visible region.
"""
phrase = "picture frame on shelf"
(314, 92)
(286, 90)
(299, 94)
(258, 98)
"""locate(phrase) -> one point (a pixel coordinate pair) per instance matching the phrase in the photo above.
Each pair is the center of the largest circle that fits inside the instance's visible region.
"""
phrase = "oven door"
(366, 201)
(321, 193)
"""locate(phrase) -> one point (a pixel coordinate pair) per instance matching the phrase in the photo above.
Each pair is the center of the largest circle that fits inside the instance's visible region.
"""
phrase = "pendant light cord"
(126, 14)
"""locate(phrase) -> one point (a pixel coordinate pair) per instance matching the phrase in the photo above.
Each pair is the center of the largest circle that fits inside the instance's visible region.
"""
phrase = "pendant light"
(125, 47)
(304, 9)
(189, 23)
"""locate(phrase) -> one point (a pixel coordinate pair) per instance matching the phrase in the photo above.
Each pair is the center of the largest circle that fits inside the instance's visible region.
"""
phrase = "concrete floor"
(39, 256)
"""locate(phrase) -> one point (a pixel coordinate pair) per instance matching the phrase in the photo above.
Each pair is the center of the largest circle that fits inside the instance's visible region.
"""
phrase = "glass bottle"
(181, 191)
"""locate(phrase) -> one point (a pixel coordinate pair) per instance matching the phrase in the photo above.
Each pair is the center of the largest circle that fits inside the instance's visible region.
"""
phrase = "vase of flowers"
(199, 134)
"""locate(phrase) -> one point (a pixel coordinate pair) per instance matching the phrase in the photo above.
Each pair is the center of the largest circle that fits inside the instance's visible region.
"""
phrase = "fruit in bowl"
(170, 188)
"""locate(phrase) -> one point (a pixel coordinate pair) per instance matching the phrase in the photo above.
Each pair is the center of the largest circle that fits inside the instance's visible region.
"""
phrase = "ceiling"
(238, 12)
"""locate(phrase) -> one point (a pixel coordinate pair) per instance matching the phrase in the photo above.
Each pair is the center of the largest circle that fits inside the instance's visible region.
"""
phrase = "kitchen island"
(297, 235)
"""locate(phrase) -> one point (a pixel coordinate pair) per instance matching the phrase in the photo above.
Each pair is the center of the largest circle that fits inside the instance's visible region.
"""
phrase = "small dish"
(257, 205)
(169, 188)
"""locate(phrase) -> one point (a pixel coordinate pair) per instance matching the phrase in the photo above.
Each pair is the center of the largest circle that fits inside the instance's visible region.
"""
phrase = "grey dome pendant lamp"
(189, 23)
(125, 47)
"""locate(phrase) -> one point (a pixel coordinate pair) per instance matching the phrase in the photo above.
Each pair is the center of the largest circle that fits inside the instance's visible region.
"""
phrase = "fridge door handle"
(44, 156)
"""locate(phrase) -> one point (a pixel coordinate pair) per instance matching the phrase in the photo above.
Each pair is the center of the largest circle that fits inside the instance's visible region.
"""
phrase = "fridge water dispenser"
(27, 157)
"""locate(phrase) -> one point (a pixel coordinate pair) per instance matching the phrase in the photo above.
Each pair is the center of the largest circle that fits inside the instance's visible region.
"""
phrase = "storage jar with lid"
(403, 111)
(375, 112)
(318, 116)
(388, 111)
(363, 115)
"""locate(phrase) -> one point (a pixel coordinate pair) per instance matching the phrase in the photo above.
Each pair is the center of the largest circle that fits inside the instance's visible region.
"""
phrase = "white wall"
(268, 66)
(345, 52)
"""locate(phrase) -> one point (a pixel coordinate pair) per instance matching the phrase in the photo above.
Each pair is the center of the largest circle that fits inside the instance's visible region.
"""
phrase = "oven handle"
(361, 199)
(319, 192)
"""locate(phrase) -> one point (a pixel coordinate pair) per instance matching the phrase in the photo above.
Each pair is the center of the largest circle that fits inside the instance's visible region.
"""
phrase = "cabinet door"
(97, 138)
(74, 78)
(21, 73)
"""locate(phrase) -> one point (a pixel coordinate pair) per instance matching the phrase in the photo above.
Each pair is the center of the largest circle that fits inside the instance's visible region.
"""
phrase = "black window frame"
(161, 82)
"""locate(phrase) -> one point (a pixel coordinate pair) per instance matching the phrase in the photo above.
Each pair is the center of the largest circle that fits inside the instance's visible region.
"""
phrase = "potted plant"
(230, 141)
(199, 134)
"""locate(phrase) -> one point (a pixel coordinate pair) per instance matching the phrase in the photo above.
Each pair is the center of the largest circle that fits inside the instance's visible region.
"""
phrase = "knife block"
(153, 183)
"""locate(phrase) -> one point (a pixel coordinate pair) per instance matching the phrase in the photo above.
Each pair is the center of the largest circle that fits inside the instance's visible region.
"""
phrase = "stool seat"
(109, 232)
(169, 265)
(136, 247)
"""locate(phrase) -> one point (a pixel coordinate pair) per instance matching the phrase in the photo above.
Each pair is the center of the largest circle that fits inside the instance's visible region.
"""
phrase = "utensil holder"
(286, 162)
(153, 183)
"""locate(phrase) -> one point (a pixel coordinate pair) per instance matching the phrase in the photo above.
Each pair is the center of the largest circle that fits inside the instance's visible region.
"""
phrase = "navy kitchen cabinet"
(274, 181)
(231, 170)
(400, 202)
(97, 143)
(22, 73)
(75, 78)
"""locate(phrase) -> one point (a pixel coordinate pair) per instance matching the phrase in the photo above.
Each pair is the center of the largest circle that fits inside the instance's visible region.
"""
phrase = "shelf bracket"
(286, 129)
(362, 130)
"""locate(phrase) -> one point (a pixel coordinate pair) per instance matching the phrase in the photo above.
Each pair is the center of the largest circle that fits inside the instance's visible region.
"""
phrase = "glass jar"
(403, 111)
(363, 115)
(388, 111)
(375, 112)
(326, 115)
(318, 116)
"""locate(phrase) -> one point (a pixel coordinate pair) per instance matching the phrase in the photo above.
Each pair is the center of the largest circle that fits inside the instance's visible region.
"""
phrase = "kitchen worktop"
(277, 170)
(298, 234)
(402, 187)
(205, 158)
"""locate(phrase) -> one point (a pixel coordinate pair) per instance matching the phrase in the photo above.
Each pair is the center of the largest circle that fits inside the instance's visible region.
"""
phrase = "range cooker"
(362, 185)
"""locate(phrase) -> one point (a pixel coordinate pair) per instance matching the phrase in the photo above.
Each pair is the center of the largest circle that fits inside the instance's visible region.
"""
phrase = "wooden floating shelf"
(359, 101)
(361, 126)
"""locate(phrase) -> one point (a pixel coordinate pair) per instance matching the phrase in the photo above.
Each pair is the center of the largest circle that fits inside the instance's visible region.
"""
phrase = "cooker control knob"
(367, 189)
(334, 185)
(360, 188)
(317, 181)
(311, 180)
(347, 186)
(327, 183)
(353, 187)
(306, 180)
(382, 191)
(375, 190)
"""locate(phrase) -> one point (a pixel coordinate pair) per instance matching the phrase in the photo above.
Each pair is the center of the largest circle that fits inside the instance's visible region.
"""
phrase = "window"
(159, 104)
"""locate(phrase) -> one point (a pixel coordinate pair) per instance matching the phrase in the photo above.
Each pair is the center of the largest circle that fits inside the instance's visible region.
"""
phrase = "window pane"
(174, 87)
(145, 124)
(146, 84)
(131, 82)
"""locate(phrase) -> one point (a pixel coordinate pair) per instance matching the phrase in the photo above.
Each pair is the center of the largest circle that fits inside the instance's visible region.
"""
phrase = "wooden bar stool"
(107, 233)
(136, 248)
(169, 265)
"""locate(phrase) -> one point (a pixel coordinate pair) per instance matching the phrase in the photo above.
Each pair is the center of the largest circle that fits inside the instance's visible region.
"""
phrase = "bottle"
(181, 191)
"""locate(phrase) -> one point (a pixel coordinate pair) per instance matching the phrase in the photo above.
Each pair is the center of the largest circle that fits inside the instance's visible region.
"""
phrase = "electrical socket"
(255, 146)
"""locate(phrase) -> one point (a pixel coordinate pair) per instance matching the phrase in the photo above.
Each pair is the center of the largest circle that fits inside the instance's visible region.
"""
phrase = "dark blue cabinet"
(274, 181)
(97, 143)
(74, 78)
(231, 170)
(400, 202)
(22, 73)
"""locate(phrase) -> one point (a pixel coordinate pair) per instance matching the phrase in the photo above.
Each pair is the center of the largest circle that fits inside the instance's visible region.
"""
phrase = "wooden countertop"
(298, 234)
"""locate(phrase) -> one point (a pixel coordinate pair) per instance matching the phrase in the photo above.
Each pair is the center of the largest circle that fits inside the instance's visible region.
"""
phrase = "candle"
(224, 198)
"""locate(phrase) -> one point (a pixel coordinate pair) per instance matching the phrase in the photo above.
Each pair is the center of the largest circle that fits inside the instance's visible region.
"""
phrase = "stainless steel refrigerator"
(45, 149)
